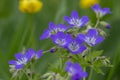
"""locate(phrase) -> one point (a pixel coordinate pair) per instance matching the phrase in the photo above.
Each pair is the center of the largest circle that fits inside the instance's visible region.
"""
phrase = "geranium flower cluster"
(69, 38)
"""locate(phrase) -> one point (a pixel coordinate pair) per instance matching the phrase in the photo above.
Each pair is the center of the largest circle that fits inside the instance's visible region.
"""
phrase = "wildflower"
(76, 46)
(91, 38)
(75, 20)
(75, 70)
(30, 6)
(88, 3)
(61, 39)
(22, 59)
(100, 12)
(53, 29)
(35, 54)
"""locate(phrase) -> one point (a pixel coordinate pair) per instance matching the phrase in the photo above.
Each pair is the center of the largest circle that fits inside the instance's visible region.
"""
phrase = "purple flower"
(53, 29)
(21, 60)
(91, 38)
(100, 11)
(75, 70)
(61, 39)
(76, 46)
(35, 54)
(75, 20)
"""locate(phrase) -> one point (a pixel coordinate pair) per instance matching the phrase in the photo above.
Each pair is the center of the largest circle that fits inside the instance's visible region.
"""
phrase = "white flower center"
(73, 46)
(76, 22)
(22, 61)
(61, 41)
(55, 30)
(72, 71)
(90, 40)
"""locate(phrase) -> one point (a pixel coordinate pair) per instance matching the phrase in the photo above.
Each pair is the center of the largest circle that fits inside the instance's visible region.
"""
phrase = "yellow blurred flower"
(30, 6)
(88, 3)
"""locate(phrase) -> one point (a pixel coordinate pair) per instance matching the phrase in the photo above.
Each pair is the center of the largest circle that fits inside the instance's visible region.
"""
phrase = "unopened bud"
(52, 50)
(107, 25)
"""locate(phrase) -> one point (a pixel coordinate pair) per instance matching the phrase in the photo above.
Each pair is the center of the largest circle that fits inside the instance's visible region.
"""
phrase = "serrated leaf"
(102, 61)
(93, 55)
(98, 63)
(98, 70)
(96, 53)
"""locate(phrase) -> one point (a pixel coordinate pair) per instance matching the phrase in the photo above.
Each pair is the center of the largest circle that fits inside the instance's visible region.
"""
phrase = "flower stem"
(31, 41)
(49, 50)
(84, 70)
(68, 77)
(90, 74)
(26, 75)
(97, 23)
(31, 71)
(46, 51)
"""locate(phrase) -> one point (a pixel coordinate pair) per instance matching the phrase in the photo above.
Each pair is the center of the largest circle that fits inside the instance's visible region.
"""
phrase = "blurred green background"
(16, 33)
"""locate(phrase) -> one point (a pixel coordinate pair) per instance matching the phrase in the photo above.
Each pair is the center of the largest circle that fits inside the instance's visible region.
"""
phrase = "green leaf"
(100, 62)
(96, 54)
(91, 56)
(98, 70)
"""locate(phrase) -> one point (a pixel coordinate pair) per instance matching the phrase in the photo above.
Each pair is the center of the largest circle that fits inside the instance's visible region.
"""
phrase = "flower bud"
(108, 26)
(48, 75)
(102, 32)
(105, 24)
(30, 6)
(59, 77)
(52, 50)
